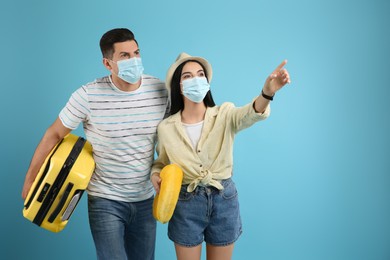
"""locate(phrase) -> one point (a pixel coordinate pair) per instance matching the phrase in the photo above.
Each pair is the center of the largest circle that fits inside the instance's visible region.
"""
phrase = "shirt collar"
(210, 112)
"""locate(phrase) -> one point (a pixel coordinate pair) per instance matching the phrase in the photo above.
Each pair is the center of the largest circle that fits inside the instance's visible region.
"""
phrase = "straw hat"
(183, 57)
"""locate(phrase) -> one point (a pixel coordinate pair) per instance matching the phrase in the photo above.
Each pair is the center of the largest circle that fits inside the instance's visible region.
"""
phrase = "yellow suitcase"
(60, 183)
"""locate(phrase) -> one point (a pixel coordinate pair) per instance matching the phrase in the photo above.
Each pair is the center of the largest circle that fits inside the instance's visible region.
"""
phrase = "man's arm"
(52, 136)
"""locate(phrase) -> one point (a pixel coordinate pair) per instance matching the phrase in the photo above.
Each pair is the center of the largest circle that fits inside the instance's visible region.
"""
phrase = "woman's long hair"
(177, 100)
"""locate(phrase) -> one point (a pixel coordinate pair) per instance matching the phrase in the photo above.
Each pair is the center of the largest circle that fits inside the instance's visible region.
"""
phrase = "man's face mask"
(130, 70)
(196, 88)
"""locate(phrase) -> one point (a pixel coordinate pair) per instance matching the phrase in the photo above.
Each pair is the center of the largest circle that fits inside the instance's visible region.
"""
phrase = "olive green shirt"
(212, 160)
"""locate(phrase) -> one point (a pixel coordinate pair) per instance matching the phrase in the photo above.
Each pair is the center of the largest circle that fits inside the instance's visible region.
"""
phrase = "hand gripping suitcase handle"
(61, 204)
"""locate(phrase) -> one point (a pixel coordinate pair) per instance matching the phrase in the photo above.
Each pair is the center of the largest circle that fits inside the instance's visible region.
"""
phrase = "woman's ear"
(181, 87)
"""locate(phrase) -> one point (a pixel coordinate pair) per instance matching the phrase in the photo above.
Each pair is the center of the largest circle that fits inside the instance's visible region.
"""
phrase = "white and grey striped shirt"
(121, 127)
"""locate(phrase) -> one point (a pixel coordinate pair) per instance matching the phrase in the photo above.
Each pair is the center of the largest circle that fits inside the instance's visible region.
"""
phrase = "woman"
(198, 136)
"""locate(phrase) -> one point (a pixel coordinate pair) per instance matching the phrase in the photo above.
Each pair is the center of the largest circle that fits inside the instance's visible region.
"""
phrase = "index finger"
(281, 65)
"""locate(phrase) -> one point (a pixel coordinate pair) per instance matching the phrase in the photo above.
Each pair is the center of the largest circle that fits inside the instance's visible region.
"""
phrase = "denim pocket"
(184, 194)
(229, 191)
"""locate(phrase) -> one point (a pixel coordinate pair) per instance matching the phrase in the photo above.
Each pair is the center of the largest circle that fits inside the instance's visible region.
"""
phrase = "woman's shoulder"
(225, 106)
(169, 120)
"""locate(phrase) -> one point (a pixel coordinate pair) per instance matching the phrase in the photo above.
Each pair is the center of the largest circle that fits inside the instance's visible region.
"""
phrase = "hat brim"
(184, 58)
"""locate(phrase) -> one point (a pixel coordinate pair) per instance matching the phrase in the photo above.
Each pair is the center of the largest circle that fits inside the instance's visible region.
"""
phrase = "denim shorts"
(206, 214)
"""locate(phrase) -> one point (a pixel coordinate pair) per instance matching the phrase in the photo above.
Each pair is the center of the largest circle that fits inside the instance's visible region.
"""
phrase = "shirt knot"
(206, 179)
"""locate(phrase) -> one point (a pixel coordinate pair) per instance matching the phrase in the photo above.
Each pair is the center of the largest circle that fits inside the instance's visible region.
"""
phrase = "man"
(120, 114)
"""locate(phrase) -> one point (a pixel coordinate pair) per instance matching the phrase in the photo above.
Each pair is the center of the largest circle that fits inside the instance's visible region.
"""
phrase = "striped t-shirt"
(121, 127)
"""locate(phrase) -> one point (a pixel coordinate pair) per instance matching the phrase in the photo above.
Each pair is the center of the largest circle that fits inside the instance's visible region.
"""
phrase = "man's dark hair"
(177, 101)
(113, 36)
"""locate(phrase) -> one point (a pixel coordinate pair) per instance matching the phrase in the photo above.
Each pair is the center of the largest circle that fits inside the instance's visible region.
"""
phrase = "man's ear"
(107, 64)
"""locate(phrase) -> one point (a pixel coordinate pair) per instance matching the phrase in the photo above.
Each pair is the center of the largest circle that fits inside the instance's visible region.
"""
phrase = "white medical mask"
(130, 70)
(196, 88)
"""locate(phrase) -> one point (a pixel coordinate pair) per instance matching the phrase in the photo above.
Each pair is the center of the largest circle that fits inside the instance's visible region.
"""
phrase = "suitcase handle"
(61, 203)
(72, 205)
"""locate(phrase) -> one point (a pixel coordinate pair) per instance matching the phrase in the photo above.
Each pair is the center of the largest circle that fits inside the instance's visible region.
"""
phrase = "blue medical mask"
(130, 70)
(195, 89)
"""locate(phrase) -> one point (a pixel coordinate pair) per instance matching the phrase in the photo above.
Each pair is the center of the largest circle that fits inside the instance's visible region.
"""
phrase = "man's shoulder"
(150, 77)
(95, 85)
(152, 80)
(103, 81)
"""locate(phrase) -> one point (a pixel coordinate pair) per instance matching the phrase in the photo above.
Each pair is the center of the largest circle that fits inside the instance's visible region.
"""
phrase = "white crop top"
(193, 131)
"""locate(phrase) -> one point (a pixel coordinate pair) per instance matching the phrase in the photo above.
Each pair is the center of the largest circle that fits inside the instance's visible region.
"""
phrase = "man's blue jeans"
(122, 230)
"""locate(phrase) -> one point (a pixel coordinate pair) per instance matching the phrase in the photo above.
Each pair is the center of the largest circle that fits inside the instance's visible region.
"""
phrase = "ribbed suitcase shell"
(60, 183)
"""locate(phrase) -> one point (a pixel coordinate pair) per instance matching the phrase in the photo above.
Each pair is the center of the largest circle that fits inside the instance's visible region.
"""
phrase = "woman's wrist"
(153, 174)
(267, 94)
(268, 91)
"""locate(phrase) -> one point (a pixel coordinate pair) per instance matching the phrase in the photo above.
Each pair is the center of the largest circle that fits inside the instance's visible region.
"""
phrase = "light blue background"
(313, 179)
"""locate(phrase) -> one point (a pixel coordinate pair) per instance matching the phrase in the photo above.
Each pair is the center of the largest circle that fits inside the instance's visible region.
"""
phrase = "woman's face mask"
(130, 70)
(196, 88)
